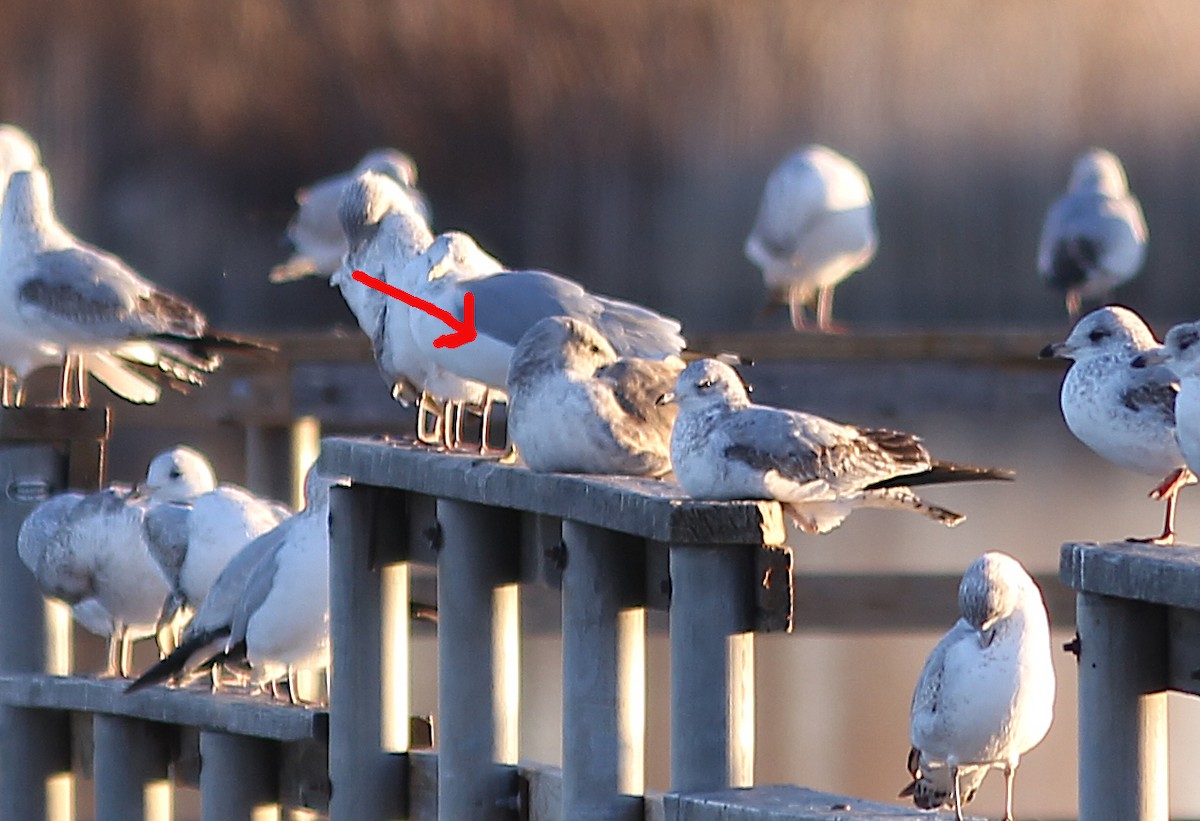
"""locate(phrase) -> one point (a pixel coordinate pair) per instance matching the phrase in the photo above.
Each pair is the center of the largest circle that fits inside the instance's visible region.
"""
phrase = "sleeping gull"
(815, 227)
(1094, 236)
(1125, 414)
(62, 297)
(384, 233)
(725, 447)
(251, 609)
(574, 406)
(508, 303)
(1179, 353)
(986, 694)
(315, 232)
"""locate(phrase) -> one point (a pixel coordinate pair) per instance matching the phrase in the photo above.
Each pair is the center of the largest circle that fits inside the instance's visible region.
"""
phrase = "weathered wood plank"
(1129, 570)
(1183, 650)
(223, 712)
(783, 803)
(642, 507)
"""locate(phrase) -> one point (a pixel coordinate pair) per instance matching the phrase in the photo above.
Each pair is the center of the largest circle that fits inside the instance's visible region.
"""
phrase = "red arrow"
(464, 329)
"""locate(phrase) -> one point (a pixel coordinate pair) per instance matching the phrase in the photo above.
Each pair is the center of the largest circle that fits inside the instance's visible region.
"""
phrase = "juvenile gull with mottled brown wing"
(725, 447)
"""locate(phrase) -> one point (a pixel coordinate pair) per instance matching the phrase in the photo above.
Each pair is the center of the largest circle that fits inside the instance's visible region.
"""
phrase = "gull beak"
(292, 272)
(1154, 356)
(1053, 350)
(666, 399)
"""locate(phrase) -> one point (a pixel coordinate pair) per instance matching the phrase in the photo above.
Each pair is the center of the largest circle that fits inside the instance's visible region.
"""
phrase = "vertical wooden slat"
(604, 675)
(305, 447)
(1122, 710)
(369, 698)
(478, 663)
(712, 668)
(131, 763)
(35, 745)
(239, 778)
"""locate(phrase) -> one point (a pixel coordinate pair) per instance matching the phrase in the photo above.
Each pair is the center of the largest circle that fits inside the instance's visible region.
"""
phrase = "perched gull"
(986, 694)
(508, 303)
(815, 227)
(18, 152)
(384, 233)
(61, 297)
(1180, 352)
(574, 406)
(1094, 236)
(1125, 414)
(269, 605)
(194, 535)
(725, 447)
(314, 231)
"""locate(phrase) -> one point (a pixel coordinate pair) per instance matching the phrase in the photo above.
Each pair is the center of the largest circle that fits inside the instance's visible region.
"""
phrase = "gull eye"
(704, 384)
(175, 473)
(1186, 342)
(594, 349)
(1097, 335)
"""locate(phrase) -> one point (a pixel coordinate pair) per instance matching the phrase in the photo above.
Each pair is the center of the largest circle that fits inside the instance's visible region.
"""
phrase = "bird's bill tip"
(289, 273)
(1154, 356)
(1052, 350)
(909, 790)
(666, 399)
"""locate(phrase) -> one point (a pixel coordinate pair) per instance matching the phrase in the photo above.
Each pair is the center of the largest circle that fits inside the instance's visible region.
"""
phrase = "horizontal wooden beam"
(1159, 574)
(648, 508)
(223, 712)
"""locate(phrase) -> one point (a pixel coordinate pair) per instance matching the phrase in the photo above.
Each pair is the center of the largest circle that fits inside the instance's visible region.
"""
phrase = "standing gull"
(815, 227)
(315, 232)
(574, 406)
(986, 694)
(18, 152)
(1094, 236)
(1180, 352)
(85, 307)
(725, 447)
(1125, 414)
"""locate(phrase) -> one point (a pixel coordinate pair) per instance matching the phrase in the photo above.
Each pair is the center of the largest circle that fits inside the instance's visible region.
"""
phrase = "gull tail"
(179, 659)
(933, 788)
(943, 472)
(206, 346)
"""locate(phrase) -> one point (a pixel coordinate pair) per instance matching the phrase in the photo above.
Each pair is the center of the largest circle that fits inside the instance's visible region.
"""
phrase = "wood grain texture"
(648, 508)
(784, 803)
(1128, 570)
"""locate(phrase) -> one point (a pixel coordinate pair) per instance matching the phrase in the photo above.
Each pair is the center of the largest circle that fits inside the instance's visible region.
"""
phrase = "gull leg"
(6, 384)
(293, 680)
(1009, 772)
(485, 419)
(426, 408)
(957, 795)
(81, 384)
(825, 308)
(447, 427)
(126, 652)
(460, 415)
(64, 383)
(1168, 491)
(19, 398)
(796, 308)
(1074, 303)
(112, 667)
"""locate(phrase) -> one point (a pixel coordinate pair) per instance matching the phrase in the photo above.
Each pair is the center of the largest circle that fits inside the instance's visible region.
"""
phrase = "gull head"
(559, 343)
(389, 162)
(1180, 351)
(28, 212)
(179, 475)
(369, 198)
(708, 383)
(459, 252)
(1099, 171)
(990, 590)
(1112, 329)
(18, 152)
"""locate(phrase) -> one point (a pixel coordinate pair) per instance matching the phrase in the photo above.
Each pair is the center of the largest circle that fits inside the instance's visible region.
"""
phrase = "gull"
(384, 232)
(315, 231)
(574, 406)
(1094, 236)
(508, 303)
(18, 152)
(986, 694)
(815, 227)
(1181, 354)
(63, 298)
(92, 551)
(270, 605)
(725, 447)
(1125, 414)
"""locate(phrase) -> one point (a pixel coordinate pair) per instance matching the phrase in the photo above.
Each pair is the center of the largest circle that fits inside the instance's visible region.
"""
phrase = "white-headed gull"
(1094, 236)
(1125, 414)
(574, 406)
(725, 447)
(315, 231)
(986, 694)
(815, 227)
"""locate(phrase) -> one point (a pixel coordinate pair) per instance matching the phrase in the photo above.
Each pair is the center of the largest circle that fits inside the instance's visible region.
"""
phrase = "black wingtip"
(174, 663)
(946, 472)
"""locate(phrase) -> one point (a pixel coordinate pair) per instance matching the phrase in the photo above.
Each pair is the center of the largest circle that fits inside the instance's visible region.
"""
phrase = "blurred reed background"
(624, 143)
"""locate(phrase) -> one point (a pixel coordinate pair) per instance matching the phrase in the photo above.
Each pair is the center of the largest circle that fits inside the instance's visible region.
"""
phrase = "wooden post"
(305, 435)
(369, 690)
(478, 664)
(604, 675)
(35, 745)
(712, 667)
(1122, 709)
(131, 762)
(239, 778)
